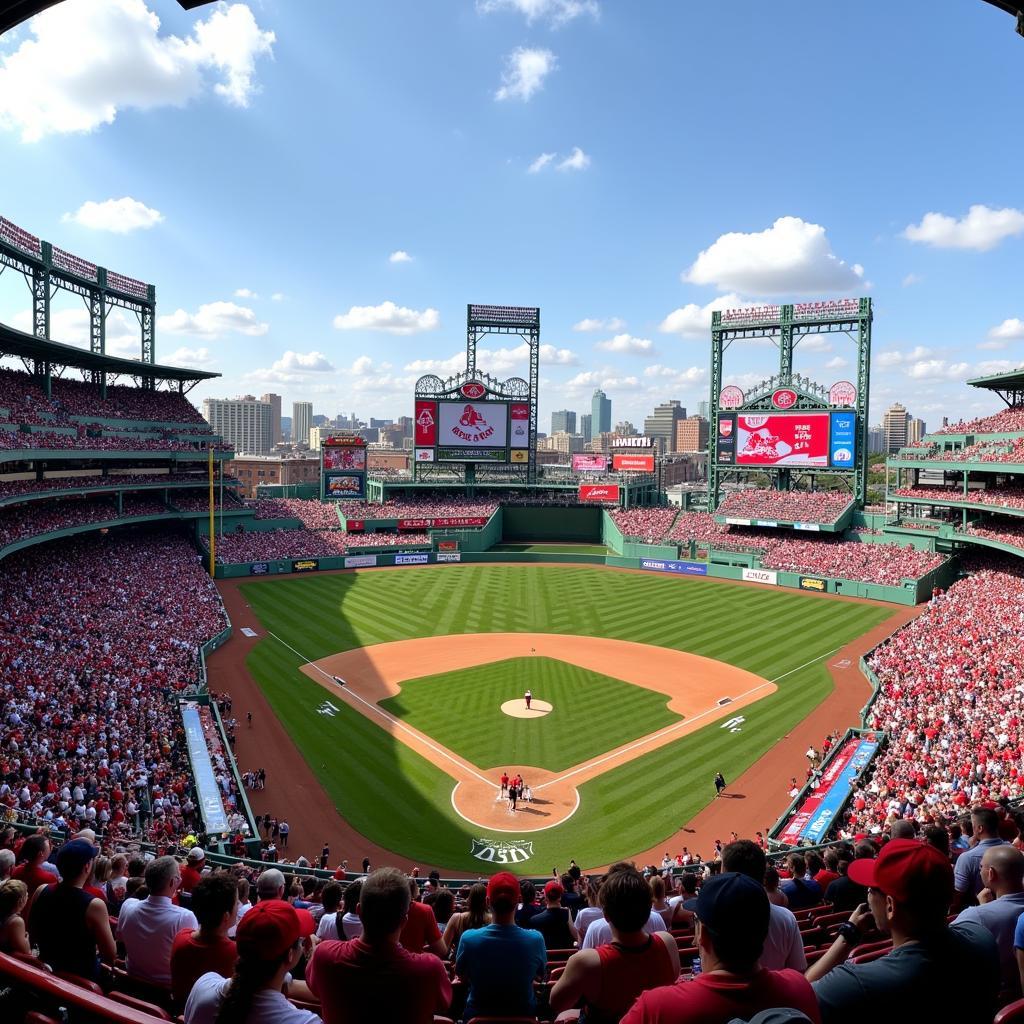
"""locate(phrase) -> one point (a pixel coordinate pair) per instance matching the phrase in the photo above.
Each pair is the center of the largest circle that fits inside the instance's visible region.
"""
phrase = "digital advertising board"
(344, 458)
(599, 492)
(727, 438)
(781, 439)
(519, 416)
(472, 424)
(633, 463)
(343, 486)
(843, 445)
(589, 463)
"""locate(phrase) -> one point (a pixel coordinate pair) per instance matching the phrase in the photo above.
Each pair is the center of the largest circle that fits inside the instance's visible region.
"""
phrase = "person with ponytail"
(271, 940)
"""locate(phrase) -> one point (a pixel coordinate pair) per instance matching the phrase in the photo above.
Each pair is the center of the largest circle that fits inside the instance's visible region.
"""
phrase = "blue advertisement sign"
(843, 443)
(685, 568)
(832, 803)
(415, 558)
(207, 791)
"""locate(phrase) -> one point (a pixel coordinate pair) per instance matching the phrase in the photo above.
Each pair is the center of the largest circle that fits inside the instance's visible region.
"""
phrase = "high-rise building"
(563, 422)
(876, 440)
(244, 423)
(302, 421)
(916, 429)
(274, 401)
(704, 409)
(317, 436)
(895, 423)
(601, 413)
(626, 429)
(564, 442)
(586, 426)
(661, 424)
(692, 434)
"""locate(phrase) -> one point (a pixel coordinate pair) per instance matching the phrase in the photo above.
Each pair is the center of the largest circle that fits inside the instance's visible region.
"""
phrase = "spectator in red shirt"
(732, 924)
(375, 977)
(420, 930)
(192, 872)
(34, 853)
(196, 952)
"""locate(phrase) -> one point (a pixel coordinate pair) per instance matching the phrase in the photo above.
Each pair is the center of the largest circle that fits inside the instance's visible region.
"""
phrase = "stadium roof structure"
(13, 12)
(1009, 385)
(40, 350)
(1015, 8)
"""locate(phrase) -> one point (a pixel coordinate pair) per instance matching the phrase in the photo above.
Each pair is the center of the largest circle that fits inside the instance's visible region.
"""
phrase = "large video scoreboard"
(472, 429)
(810, 439)
(343, 467)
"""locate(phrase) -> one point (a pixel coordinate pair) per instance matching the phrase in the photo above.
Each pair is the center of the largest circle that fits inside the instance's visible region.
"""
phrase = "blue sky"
(627, 167)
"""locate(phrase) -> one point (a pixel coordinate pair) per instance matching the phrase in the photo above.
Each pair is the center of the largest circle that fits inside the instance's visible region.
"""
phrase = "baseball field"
(403, 690)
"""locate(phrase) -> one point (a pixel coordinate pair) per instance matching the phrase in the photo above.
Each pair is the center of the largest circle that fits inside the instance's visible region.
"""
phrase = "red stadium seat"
(140, 1004)
(1012, 1014)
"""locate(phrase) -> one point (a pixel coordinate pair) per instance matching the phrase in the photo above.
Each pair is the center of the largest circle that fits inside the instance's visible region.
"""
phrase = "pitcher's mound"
(517, 708)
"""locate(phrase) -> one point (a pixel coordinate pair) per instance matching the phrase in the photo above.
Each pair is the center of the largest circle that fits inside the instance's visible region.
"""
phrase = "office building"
(563, 442)
(587, 426)
(704, 409)
(692, 434)
(245, 423)
(254, 471)
(302, 422)
(876, 440)
(601, 413)
(317, 436)
(626, 429)
(274, 401)
(916, 429)
(661, 424)
(895, 423)
(563, 422)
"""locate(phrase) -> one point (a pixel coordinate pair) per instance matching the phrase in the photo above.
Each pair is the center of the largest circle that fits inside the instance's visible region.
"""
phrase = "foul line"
(387, 717)
(646, 740)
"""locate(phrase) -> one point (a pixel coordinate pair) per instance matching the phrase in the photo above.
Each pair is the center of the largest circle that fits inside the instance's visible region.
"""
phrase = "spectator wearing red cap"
(610, 978)
(71, 926)
(910, 887)
(733, 915)
(501, 961)
(374, 977)
(420, 931)
(198, 952)
(554, 921)
(270, 943)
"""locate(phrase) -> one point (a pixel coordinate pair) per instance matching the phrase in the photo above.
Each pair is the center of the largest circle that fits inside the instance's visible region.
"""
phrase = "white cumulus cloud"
(388, 317)
(895, 357)
(245, 293)
(937, 369)
(524, 74)
(694, 320)
(627, 343)
(837, 363)
(1011, 329)
(85, 62)
(191, 357)
(278, 297)
(576, 161)
(556, 12)
(399, 256)
(981, 228)
(612, 323)
(540, 163)
(496, 360)
(792, 257)
(303, 362)
(213, 319)
(117, 215)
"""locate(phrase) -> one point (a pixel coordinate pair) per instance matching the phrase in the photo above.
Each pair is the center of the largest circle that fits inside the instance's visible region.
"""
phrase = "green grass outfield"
(403, 802)
(591, 714)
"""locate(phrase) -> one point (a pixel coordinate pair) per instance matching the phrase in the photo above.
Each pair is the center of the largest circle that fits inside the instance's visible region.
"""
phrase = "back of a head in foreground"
(734, 914)
(626, 900)
(746, 857)
(384, 902)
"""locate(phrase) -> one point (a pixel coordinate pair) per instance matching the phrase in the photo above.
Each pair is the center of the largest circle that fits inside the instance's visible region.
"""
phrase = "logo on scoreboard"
(842, 393)
(730, 397)
(424, 454)
(784, 398)
(473, 389)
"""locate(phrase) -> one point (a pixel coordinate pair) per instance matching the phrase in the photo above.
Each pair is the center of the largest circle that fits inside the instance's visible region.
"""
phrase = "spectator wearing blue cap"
(70, 926)
(733, 915)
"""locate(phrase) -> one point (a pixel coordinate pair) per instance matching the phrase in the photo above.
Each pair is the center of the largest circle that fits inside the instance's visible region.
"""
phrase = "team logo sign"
(725, 428)
(730, 397)
(497, 851)
(425, 419)
(473, 389)
(842, 393)
(472, 427)
(784, 398)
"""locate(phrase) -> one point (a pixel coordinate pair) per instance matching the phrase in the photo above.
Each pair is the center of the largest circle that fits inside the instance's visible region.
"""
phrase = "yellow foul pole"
(213, 538)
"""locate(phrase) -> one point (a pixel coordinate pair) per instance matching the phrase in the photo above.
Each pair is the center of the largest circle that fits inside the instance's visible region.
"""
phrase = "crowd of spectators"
(13, 440)
(95, 482)
(33, 520)
(90, 660)
(788, 506)
(952, 701)
(418, 508)
(1008, 532)
(267, 545)
(199, 501)
(648, 525)
(1001, 451)
(1006, 421)
(314, 515)
(1002, 497)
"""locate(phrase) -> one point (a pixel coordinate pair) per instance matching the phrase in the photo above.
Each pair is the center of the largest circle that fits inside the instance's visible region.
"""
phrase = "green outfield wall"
(533, 523)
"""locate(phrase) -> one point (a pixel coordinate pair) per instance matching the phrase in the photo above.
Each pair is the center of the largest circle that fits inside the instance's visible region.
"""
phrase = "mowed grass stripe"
(403, 801)
(590, 710)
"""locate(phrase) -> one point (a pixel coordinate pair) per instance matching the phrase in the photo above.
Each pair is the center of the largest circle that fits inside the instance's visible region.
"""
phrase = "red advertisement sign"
(633, 463)
(426, 424)
(355, 525)
(782, 439)
(599, 492)
(345, 441)
(589, 463)
(795, 826)
(440, 522)
(520, 416)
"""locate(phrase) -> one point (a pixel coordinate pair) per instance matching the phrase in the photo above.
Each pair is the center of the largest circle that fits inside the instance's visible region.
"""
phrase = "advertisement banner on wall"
(766, 576)
(813, 583)
(782, 439)
(306, 565)
(259, 568)
(519, 416)
(449, 556)
(727, 438)
(424, 454)
(447, 545)
(412, 558)
(472, 424)
(684, 568)
(633, 463)
(426, 424)
(519, 455)
(355, 525)
(813, 527)
(360, 561)
(843, 446)
(589, 463)
(599, 492)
